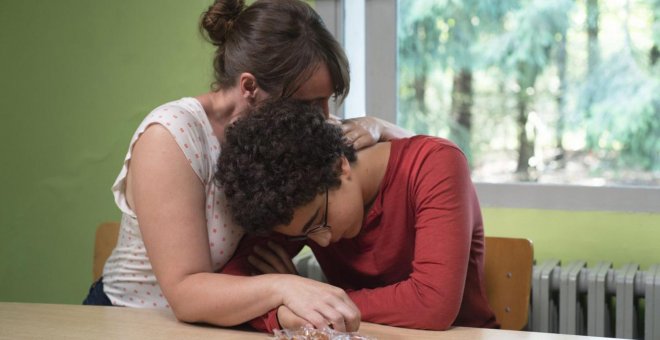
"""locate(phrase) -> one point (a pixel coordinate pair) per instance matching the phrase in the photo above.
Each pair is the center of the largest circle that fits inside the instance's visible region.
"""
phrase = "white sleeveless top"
(128, 278)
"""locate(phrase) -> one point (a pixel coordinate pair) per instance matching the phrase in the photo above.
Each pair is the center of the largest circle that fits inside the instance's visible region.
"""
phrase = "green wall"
(76, 78)
(619, 237)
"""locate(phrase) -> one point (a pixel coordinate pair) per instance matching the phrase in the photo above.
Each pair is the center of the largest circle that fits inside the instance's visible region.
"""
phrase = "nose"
(322, 238)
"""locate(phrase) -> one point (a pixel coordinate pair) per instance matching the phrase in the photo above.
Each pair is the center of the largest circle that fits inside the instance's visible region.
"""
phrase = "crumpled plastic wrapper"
(309, 333)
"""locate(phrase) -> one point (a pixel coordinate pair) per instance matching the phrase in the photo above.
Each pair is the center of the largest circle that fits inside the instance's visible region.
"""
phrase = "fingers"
(321, 304)
(351, 131)
(351, 315)
(348, 125)
(360, 139)
(273, 259)
(363, 141)
(327, 316)
(283, 256)
(344, 315)
(338, 311)
(332, 316)
(333, 319)
(358, 134)
(270, 259)
(288, 319)
(261, 266)
(320, 321)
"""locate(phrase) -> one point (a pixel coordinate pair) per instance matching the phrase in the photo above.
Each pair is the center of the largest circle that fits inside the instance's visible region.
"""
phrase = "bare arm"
(307, 302)
(169, 201)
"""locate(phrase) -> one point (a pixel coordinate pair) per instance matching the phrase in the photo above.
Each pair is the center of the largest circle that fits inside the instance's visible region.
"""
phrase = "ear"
(248, 87)
(345, 166)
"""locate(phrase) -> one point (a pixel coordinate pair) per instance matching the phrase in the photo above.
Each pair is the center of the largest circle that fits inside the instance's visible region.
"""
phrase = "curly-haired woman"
(175, 233)
(397, 225)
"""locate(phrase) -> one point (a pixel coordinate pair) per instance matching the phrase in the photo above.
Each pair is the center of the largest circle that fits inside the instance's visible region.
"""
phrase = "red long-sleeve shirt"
(418, 259)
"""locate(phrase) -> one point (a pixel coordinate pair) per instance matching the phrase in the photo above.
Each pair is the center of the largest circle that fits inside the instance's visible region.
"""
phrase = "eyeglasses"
(317, 229)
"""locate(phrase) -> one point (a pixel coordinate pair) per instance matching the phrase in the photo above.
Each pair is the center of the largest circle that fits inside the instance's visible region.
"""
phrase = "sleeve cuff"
(267, 322)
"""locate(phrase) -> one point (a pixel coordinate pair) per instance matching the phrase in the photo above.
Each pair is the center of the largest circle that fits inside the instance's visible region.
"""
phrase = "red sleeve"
(444, 203)
(238, 265)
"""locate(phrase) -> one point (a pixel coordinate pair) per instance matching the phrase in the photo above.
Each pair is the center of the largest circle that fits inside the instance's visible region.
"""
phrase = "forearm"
(263, 318)
(224, 300)
(257, 299)
(410, 304)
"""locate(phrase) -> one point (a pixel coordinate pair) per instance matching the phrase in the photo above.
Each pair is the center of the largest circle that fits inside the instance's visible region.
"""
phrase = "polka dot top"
(128, 278)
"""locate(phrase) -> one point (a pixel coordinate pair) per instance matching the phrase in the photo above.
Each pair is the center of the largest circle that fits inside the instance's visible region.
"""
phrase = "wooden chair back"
(105, 241)
(509, 279)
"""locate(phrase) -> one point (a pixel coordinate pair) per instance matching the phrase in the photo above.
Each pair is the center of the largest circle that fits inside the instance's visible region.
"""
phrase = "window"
(536, 91)
(493, 129)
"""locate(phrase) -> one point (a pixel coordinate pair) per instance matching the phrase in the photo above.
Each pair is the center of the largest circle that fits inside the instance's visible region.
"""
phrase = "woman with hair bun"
(175, 232)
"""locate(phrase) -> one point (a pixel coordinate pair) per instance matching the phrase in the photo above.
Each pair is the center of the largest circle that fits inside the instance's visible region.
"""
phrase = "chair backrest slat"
(508, 269)
(106, 239)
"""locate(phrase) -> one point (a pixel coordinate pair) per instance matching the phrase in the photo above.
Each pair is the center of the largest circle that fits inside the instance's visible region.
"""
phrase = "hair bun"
(218, 20)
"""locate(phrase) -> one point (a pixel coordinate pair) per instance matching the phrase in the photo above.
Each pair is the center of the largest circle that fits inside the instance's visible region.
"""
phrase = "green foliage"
(655, 8)
(623, 113)
(435, 36)
(525, 49)
(510, 49)
(444, 33)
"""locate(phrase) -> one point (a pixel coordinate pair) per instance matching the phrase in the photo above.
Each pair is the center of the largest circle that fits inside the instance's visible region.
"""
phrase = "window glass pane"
(562, 91)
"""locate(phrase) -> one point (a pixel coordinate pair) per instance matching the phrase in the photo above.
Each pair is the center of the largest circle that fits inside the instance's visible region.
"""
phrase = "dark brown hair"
(280, 42)
(277, 158)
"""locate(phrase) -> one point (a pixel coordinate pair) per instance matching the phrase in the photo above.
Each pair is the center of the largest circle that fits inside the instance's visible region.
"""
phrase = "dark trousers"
(96, 296)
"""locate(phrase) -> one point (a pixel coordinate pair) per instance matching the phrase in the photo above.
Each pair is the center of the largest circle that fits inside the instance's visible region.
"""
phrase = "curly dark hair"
(277, 158)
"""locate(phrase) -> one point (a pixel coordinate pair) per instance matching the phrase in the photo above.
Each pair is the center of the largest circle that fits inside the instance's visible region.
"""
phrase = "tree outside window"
(564, 91)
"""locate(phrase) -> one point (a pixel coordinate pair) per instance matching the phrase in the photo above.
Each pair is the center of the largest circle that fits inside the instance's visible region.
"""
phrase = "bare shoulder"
(157, 146)
(155, 137)
(157, 152)
(157, 159)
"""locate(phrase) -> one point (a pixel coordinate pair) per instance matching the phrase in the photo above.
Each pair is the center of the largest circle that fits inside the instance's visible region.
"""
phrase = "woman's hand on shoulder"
(367, 131)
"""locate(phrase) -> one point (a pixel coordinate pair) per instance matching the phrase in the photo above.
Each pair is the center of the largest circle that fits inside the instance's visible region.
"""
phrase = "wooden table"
(49, 321)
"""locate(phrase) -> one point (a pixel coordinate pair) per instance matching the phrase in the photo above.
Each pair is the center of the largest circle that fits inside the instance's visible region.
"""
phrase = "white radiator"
(596, 301)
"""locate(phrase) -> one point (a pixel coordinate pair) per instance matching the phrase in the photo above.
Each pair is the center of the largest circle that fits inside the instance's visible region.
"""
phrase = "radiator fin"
(596, 301)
